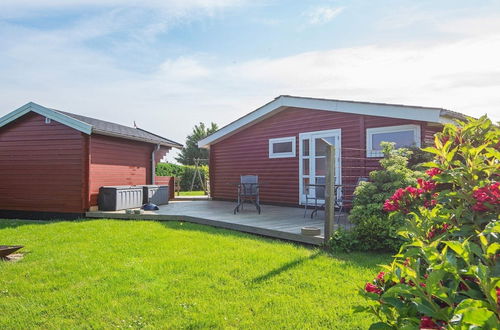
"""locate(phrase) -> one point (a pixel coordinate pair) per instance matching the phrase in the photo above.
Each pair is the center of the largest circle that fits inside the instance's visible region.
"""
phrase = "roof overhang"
(46, 112)
(133, 138)
(73, 123)
(426, 114)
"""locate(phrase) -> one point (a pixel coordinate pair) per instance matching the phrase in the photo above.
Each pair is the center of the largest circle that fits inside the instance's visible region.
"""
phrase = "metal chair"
(248, 190)
(315, 192)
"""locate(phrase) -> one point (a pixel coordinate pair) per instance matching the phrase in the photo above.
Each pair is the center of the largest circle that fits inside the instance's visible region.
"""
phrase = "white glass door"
(312, 159)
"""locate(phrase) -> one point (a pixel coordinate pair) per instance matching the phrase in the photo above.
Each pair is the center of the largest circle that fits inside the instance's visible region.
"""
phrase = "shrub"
(418, 157)
(447, 275)
(185, 172)
(374, 229)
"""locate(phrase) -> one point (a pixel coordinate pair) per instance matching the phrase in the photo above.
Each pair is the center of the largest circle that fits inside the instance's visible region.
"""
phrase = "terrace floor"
(274, 221)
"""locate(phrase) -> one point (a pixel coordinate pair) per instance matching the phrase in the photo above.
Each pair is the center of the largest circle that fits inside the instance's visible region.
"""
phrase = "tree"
(191, 151)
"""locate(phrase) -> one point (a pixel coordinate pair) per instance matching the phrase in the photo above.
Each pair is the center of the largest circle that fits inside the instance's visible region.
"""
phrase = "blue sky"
(169, 64)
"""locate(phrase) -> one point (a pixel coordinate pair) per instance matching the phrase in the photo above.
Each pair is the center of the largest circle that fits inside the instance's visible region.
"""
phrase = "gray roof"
(121, 131)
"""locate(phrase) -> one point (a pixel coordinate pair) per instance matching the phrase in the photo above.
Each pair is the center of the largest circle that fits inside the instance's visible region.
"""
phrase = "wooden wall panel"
(42, 166)
(117, 162)
(246, 152)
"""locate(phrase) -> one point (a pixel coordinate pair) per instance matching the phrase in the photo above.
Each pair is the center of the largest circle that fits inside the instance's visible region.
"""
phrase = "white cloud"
(54, 68)
(322, 15)
(182, 69)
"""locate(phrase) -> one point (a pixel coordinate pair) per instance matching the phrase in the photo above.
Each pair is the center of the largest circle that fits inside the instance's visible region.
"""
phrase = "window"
(403, 136)
(282, 147)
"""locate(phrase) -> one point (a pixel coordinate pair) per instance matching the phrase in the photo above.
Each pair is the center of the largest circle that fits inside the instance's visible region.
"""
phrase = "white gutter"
(153, 164)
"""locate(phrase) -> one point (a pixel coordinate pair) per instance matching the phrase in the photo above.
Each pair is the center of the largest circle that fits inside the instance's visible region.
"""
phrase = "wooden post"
(329, 192)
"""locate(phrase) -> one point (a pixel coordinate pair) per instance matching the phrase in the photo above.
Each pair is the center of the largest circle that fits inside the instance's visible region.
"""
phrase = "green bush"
(447, 274)
(418, 157)
(185, 172)
(374, 230)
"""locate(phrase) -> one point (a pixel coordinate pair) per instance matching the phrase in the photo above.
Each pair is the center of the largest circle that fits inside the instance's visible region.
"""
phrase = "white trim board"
(425, 114)
(390, 129)
(48, 113)
(290, 154)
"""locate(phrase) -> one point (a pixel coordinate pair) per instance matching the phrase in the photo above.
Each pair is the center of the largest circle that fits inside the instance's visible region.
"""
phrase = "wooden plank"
(214, 223)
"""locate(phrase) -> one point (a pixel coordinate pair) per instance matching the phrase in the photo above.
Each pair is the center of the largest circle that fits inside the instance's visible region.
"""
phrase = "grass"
(143, 274)
(192, 193)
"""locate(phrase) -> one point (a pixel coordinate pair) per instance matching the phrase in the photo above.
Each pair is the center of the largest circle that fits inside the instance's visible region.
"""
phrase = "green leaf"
(380, 326)
(360, 309)
(459, 249)
(432, 150)
(493, 153)
(425, 309)
(396, 302)
(431, 164)
(470, 303)
(492, 249)
(434, 278)
(478, 316)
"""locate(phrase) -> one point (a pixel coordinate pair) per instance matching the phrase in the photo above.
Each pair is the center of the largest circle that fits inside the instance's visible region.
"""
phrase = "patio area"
(274, 221)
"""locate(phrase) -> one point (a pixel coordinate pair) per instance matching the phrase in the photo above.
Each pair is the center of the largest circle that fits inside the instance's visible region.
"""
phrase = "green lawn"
(192, 193)
(110, 273)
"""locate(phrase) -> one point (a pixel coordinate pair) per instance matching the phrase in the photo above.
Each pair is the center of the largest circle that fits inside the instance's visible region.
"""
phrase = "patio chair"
(248, 191)
(315, 192)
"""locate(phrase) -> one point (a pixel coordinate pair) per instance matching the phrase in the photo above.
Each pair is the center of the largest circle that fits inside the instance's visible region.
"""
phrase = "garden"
(439, 220)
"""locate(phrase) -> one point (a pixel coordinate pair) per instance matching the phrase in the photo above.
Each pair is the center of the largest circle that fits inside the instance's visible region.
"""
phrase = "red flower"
(370, 287)
(428, 204)
(489, 194)
(412, 191)
(426, 322)
(438, 231)
(427, 186)
(390, 206)
(498, 296)
(380, 276)
(433, 171)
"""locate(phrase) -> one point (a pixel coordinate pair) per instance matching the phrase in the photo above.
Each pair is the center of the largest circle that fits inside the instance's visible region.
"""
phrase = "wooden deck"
(274, 221)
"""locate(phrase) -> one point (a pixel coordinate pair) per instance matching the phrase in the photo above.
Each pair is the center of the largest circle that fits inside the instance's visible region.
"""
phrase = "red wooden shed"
(281, 142)
(52, 163)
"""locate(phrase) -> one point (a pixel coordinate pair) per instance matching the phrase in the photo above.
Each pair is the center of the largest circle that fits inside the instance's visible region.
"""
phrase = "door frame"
(312, 151)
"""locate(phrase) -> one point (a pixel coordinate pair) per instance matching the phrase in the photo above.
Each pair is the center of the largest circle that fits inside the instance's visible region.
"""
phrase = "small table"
(338, 201)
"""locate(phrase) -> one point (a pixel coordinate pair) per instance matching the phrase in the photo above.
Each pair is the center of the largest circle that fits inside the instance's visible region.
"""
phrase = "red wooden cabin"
(52, 163)
(281, 142)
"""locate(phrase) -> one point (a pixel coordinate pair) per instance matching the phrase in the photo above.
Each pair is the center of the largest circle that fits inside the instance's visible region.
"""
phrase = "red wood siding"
(115, 162)
(246, 152)
(42, 166)
(169, 181)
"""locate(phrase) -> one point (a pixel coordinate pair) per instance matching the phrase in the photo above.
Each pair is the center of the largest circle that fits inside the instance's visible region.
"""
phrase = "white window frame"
(389, 129)
(291, 154)
(311, 136)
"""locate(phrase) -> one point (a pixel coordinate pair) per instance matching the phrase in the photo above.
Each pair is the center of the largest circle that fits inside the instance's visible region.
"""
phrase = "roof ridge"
(142, 129)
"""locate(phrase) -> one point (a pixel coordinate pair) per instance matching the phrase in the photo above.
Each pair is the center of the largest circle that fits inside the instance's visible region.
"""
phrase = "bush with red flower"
(447, 274)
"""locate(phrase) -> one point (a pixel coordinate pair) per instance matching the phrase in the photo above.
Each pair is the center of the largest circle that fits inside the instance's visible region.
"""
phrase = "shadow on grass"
(14, 223)
(284, 268)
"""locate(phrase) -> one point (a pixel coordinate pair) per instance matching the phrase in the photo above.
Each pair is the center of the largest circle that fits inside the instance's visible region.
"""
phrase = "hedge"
(185, 172)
